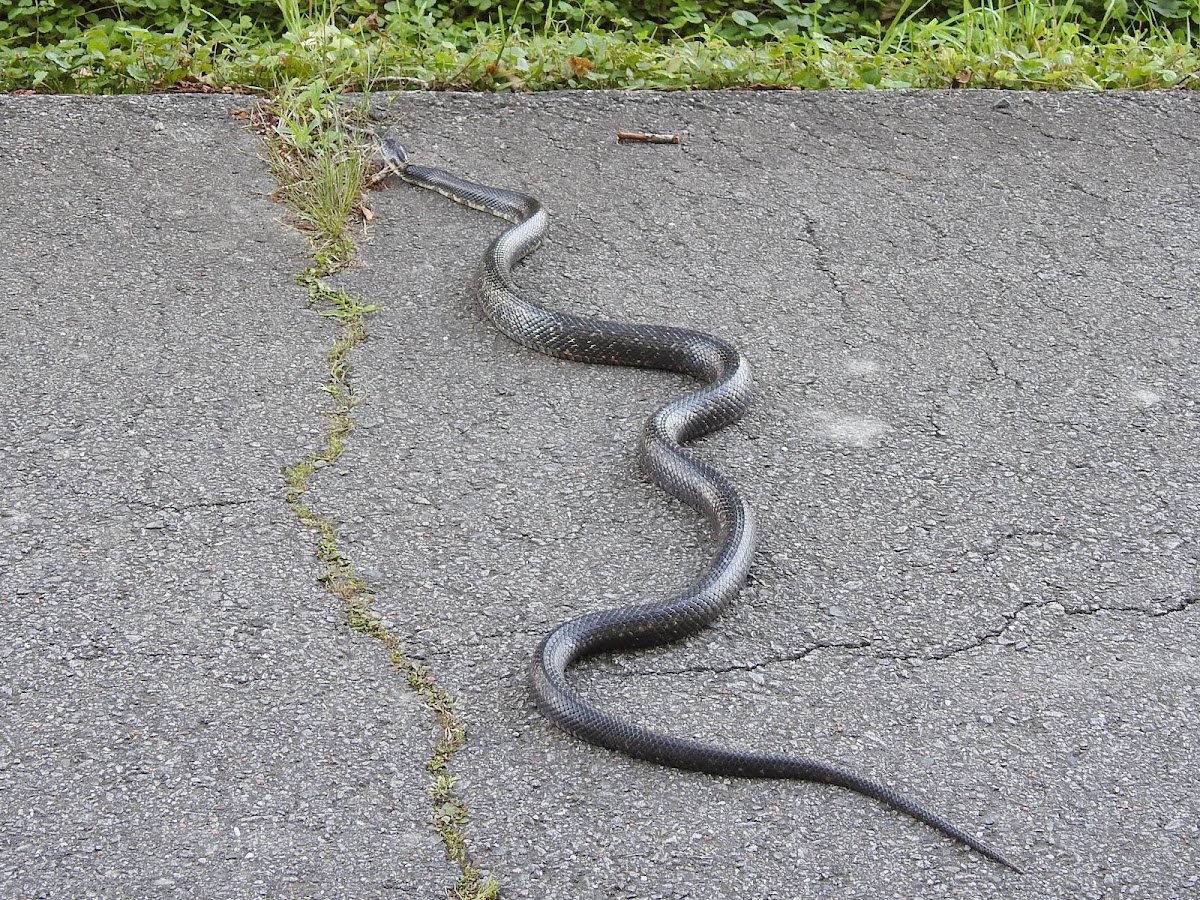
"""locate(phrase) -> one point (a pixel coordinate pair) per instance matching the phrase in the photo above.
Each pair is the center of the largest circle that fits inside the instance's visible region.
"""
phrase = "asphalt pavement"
(973, 320)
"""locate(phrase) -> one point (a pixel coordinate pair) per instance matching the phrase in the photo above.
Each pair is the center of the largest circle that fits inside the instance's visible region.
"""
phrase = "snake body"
(725, 395)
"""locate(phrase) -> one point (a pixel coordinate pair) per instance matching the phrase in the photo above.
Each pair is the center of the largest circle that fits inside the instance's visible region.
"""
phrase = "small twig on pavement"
(645, 138)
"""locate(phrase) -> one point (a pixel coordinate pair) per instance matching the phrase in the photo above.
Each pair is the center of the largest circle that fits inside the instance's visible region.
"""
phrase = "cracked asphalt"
(973, 322)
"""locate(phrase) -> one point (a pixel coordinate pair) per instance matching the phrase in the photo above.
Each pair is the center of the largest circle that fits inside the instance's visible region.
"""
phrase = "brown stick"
(646, 138)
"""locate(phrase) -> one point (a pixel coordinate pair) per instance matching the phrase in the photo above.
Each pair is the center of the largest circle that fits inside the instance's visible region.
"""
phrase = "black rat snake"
(725, 396)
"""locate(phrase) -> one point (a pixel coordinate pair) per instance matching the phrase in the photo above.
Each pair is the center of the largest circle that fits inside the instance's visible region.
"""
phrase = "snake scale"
(725, 394)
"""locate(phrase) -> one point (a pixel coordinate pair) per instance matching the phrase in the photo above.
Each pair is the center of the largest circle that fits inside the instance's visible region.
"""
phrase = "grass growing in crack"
(322, 171)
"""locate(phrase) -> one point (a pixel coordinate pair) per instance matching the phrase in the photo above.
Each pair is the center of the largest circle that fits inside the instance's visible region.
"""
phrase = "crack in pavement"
(821, 258)
(1002, 372)
(746, 667)
(199, 504)
(1168, 606)
(448, 812)
(997, 634)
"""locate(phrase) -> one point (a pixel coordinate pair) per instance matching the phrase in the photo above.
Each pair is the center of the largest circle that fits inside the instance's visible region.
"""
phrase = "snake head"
(393, 154)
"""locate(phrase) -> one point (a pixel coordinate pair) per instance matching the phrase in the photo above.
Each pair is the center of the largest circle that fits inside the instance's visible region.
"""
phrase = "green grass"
(1025, 44)
(319, 159)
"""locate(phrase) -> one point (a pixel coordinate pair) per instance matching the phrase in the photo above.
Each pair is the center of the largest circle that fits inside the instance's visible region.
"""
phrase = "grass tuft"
(322, 169)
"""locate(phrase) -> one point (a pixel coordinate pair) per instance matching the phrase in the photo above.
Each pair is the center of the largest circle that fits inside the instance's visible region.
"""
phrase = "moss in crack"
(358, 600)
(322, 181)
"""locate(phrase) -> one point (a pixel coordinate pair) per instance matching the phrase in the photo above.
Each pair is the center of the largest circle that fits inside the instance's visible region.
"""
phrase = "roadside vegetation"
(256, 45)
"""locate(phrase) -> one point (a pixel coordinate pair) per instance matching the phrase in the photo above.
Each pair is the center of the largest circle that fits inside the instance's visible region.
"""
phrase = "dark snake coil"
(725, 396)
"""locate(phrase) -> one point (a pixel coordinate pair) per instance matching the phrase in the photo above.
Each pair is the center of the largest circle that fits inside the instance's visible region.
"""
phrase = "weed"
(1015, 44)
(313, 148)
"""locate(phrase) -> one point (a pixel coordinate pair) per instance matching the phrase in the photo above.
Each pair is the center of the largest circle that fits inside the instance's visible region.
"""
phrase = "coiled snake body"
(722, 400)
